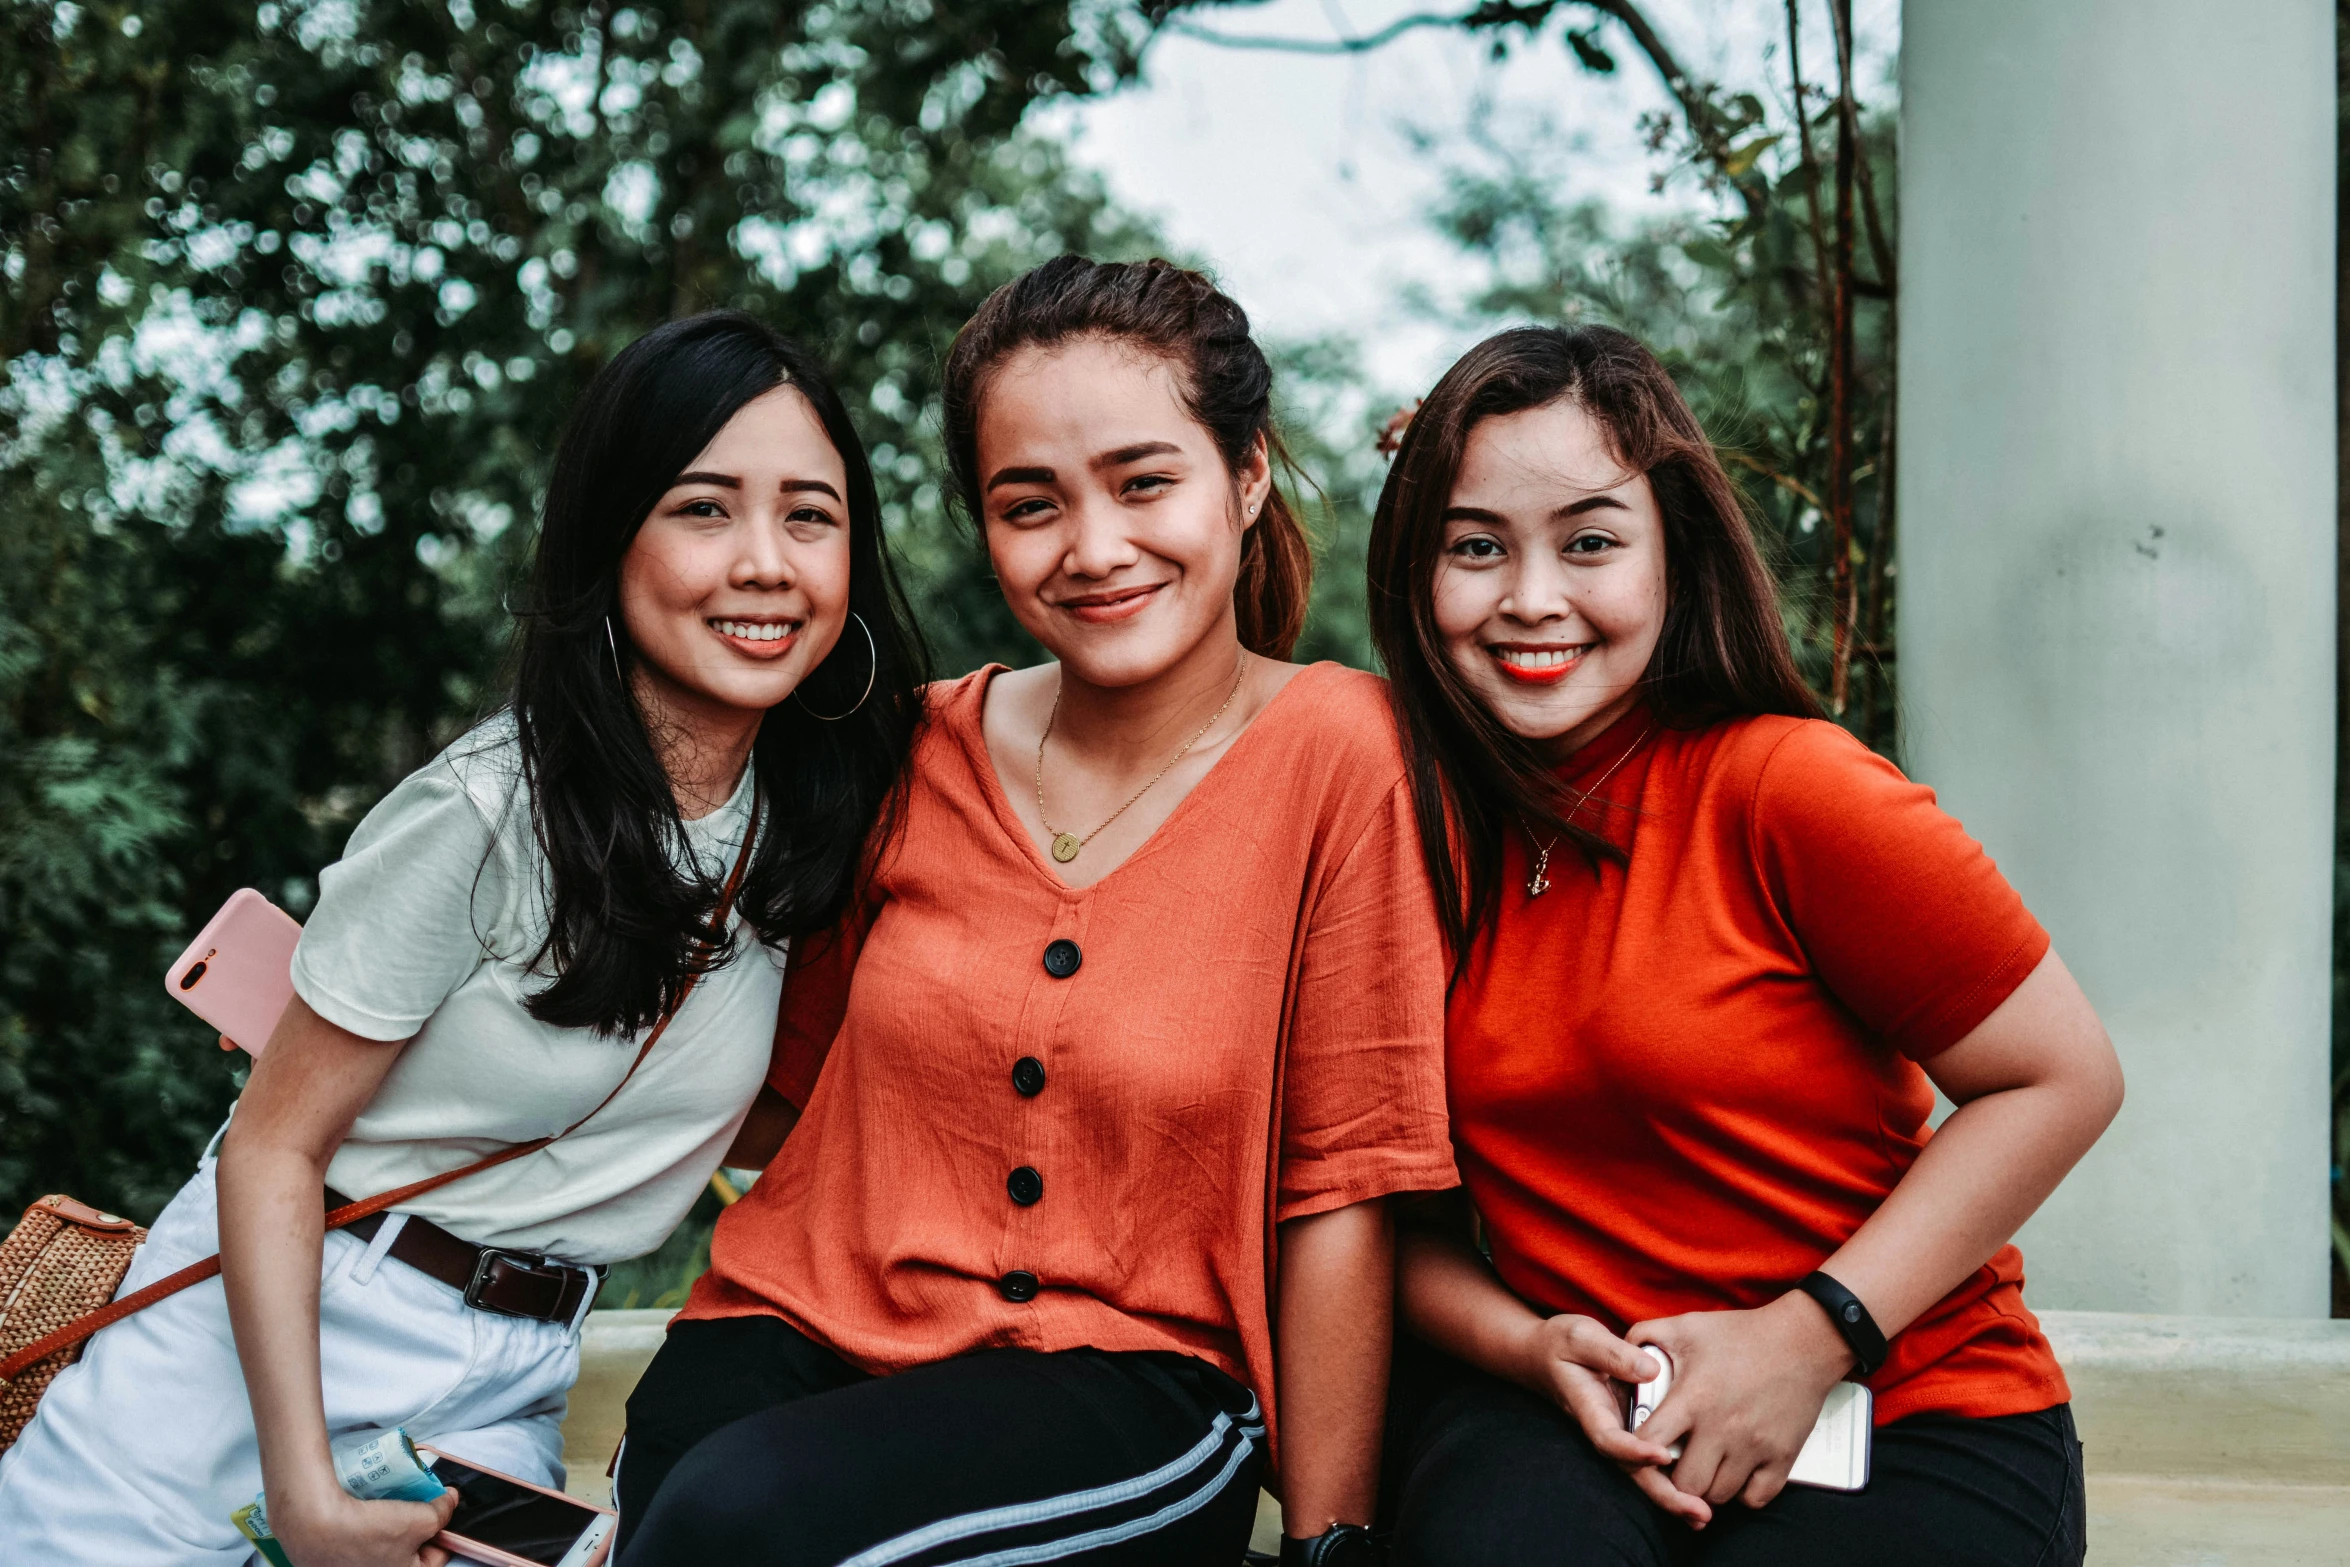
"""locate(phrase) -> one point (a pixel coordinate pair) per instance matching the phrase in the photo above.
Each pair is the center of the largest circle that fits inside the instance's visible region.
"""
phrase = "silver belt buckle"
(524, 1261)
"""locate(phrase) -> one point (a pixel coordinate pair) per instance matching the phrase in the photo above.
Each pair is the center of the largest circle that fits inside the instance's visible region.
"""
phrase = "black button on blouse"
(1025, 1185)
(1017, 1286)
(1061, 958)
(1028, 1076)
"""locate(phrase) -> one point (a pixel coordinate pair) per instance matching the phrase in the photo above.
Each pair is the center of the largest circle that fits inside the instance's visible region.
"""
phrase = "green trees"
(293, 297)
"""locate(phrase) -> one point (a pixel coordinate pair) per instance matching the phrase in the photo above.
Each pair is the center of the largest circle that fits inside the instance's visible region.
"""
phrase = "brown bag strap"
(194, 1273)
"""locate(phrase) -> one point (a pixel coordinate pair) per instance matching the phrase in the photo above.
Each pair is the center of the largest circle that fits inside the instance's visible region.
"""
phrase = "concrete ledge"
(2212, 1441)
(614, 1349)
(2239, 1399)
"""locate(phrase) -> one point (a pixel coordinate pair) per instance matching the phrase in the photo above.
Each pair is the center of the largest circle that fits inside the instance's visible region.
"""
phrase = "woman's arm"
(763, 1130)
(2036, 1083)
(1451, 1298)
(1333, 1329)
(307, 1088)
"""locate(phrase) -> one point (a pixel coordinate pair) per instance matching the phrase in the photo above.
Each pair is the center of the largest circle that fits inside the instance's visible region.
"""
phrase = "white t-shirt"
(424, 931)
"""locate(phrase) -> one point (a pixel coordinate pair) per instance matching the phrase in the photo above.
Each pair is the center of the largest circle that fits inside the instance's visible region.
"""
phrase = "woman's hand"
(1575, 1363)
(337, 1529)
(1747, 1390)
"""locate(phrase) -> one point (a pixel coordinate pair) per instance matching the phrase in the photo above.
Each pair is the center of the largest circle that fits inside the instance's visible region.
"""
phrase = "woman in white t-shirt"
(713, 634)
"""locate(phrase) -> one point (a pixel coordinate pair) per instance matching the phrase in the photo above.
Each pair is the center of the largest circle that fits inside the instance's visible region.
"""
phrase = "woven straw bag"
(63, 1261)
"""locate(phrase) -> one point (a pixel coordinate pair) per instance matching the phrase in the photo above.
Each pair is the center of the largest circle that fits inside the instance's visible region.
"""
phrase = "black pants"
(751, 1445)
(1481, 1473)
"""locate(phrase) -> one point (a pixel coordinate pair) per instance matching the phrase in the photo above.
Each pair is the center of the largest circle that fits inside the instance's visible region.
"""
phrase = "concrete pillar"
(2116, 584)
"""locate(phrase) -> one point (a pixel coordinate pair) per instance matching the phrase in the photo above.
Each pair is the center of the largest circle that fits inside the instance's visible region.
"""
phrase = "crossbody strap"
(194, 1273)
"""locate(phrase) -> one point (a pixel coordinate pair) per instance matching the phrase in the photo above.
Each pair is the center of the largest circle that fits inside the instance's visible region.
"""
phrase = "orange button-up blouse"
(1242, 1024)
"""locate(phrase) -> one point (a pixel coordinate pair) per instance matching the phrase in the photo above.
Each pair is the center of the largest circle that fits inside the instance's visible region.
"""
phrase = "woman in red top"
(1712, 959)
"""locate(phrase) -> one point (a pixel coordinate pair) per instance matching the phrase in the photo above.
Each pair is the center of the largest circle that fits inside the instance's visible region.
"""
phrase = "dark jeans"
(752, 1445)
(1481, 1473)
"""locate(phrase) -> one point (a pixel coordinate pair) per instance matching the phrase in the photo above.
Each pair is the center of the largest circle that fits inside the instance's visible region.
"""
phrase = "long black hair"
(1722, 651)
(627, 904)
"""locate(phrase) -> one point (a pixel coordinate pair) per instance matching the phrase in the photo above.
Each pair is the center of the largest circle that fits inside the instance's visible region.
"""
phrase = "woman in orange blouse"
(1095, 1102)
(1714, 957)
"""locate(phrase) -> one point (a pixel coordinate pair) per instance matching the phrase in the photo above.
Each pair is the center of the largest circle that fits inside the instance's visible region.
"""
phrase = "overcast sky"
(1297, 178)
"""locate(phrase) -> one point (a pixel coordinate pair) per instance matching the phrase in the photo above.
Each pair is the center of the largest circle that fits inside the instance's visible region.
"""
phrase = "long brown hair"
(1183, 318)
(1722, 652)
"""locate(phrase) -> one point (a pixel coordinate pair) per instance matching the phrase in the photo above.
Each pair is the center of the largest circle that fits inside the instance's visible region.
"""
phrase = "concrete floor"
(2211, 1442)
(2141, 1521)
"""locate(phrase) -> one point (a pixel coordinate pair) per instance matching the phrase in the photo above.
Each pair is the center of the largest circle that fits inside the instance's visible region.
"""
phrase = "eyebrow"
(1496, 519)
(727, 481)
(1136, 453)
(1006, 476)
(1117, 458)
(1590, 503)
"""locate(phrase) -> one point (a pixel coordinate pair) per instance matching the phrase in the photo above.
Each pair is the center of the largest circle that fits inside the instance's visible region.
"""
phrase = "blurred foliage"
(293, 299)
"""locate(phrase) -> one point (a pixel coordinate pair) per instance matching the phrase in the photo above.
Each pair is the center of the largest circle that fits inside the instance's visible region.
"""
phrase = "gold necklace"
(1066, 844)
(1537, 883)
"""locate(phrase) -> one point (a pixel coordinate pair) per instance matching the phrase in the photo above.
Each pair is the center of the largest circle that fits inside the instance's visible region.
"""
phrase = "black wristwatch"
(1851, 1318)
(1340, 1545)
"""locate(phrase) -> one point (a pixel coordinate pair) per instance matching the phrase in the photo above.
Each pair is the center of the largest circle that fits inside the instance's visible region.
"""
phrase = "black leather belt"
(491, 1278)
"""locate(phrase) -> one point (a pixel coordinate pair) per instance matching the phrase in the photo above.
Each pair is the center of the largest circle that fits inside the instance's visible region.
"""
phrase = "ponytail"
(1227, 386)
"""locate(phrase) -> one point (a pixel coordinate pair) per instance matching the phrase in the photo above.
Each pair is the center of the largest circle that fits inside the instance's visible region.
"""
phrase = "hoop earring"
(873, 650)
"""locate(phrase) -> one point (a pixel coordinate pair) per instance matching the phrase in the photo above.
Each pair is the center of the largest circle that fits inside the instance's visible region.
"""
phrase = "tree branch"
(1363, 45)
(1788, 482)
(1692, 96)
(1880, 251)
(1811, 165)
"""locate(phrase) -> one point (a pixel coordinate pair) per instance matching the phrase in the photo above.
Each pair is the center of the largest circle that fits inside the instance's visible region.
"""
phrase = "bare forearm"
(1336, 1325)
(1451, 1298)
(1983, 1173)
(296, 1109)
(271, 1236)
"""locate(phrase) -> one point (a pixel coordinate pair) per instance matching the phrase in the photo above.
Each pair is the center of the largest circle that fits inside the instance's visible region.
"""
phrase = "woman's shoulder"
(476, 782)
(484, 764)
(1337, 721)
(1784, 770)
(944, 698)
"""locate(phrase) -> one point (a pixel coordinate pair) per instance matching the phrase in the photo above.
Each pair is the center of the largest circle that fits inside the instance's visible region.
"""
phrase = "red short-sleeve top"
(1048, 1116)
(1682, 1080)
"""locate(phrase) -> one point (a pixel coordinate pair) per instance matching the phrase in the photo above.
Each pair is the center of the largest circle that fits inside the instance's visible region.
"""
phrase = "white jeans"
(142, 1448)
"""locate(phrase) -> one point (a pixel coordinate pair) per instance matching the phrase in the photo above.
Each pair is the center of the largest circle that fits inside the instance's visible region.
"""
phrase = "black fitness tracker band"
(1340, 1545)
(1851, 1318)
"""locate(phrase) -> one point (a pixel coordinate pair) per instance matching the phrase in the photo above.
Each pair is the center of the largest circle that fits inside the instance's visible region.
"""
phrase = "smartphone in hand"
(1835, 1457)
(511, 1523)
(238, 974)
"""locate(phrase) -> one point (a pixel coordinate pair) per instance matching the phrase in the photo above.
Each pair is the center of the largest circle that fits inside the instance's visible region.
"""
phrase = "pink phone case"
(238, 974)
(474, 1551)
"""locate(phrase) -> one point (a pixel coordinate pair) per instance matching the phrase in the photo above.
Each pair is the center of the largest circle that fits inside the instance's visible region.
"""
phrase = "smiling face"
(1113, 522)
(1551, 590)
(737, 585)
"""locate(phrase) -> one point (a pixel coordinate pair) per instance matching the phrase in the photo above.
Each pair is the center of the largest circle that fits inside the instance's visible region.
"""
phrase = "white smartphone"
(507, 1522)
(1835, 1457)
(238, 974)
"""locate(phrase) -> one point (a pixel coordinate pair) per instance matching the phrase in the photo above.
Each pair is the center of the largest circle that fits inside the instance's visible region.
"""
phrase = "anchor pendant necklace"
(1066, 844)
(1537, 881)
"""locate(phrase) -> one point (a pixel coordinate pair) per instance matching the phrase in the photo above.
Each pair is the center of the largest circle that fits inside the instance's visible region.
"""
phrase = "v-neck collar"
(970, 731)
